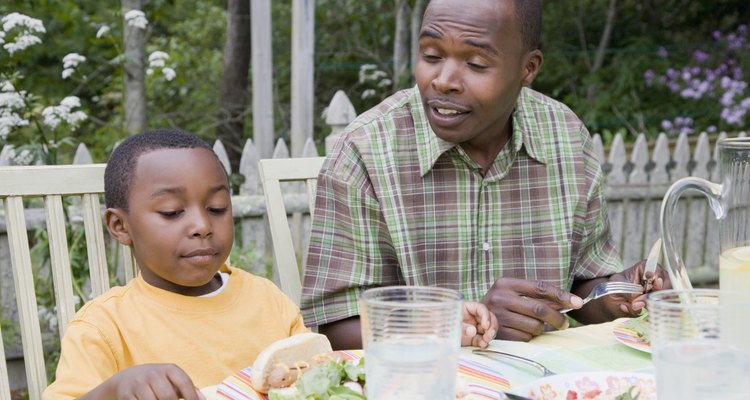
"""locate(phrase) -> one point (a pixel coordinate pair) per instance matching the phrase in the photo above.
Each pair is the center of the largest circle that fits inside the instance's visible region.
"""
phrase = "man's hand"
(148, 382)
(479, 325)
(632, 305)
(523, 307)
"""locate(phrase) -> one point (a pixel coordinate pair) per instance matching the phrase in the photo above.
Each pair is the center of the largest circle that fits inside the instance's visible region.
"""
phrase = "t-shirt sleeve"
(86, 360)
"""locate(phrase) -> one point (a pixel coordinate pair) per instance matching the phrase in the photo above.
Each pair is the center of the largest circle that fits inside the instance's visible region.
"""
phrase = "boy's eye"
(170, 214)
(217, 210)
(477, 66)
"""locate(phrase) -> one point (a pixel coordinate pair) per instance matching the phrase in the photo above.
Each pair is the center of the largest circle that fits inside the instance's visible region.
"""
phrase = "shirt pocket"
(545, 261)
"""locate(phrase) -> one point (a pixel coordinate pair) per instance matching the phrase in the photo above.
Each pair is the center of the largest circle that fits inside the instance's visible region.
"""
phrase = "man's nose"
(200, 224)
(448, 78)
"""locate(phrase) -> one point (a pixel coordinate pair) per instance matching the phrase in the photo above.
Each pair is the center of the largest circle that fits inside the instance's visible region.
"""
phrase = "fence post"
(616, 177)
(658, 179)
(253, 230)
(339, 114)
(635, 220)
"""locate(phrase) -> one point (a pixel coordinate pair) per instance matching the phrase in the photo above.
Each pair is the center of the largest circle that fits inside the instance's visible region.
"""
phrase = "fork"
(607, 288)
(499, 354)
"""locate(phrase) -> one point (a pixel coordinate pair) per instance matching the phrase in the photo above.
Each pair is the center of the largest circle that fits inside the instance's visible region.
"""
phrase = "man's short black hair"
(529, 13)
(120, 170)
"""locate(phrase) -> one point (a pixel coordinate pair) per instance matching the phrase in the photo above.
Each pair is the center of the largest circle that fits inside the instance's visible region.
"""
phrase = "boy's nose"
(201, 225)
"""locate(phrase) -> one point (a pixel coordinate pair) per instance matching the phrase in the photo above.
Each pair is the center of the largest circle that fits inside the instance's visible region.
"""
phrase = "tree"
(233, 92)
(134, 37)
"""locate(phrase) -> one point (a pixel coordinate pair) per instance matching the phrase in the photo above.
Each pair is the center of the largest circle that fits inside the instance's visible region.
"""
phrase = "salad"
(331, 380)
(640, 326)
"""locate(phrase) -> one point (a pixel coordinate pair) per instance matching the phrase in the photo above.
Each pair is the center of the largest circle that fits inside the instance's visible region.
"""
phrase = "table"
(582, 349)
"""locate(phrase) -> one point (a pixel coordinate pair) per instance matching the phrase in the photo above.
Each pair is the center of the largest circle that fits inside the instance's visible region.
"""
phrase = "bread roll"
(291, 352)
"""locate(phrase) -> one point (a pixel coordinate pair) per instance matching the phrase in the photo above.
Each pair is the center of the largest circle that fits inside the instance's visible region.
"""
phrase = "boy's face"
(179, 221)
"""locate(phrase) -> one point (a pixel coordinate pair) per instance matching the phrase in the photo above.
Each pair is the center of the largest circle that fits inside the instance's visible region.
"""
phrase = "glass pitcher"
(730, 201)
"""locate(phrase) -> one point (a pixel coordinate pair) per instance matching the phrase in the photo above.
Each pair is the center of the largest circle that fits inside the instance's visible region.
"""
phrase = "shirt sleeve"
(86, 360)
(598, 255)
(350, 247)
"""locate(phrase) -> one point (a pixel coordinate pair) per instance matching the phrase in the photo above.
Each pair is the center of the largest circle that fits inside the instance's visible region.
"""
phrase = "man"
(469, 181)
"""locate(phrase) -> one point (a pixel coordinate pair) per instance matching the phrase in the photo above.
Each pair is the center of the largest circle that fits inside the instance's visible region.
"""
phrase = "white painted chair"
(51, 183)
(274, 172)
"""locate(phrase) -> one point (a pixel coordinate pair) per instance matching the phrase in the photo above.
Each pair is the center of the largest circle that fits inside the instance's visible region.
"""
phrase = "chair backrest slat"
(20, 258)
(92, 222)
(273, 172)
(62, 276)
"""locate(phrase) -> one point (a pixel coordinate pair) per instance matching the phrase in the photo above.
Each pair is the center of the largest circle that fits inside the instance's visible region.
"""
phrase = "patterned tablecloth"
(582, 349)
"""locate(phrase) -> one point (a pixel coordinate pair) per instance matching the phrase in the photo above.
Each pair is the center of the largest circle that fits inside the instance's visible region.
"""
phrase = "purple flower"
(700, 56)
(662, 52)
(666, 125)
(716, 35)
(649, 76)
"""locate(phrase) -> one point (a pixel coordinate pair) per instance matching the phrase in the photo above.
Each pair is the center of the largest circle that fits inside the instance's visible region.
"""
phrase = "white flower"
(169, 73)
(103, 30)
(72, 60)
(54, 115)
(368, 93)
(67, 72)
(2, 37)
(26, 23)
(158, 55)
(136, 18)
(8, 121)
(24, 157)
(149, 71)
(27, 29)
(22, 42)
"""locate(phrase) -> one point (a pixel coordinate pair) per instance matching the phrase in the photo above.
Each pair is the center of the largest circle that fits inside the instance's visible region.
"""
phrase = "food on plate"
(640, 326)
(283, 362)
(303, 366)
(594, 394)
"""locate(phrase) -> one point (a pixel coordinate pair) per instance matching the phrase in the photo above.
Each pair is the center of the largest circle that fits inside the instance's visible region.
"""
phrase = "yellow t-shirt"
(208, 337)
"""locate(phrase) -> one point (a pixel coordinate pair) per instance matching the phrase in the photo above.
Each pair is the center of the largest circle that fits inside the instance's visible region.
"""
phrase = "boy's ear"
(116, 221)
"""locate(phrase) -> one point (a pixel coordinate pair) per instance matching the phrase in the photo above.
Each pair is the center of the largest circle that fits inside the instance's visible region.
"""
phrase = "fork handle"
(495, 353)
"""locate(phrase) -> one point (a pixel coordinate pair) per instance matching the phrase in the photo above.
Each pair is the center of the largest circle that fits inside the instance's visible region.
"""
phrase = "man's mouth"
(448, 111)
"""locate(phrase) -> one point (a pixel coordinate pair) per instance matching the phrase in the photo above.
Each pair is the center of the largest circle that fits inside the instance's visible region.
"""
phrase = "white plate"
(630, 338)
(590, 385)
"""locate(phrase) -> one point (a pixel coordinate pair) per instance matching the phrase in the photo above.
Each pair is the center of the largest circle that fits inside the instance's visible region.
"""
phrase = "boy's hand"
(479, 325)
(148, 382)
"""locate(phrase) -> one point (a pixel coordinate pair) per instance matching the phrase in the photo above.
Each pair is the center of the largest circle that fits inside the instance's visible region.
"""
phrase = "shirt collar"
(527, 132)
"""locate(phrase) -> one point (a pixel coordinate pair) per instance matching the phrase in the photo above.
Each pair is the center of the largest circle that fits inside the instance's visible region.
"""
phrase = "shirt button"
(486, 246)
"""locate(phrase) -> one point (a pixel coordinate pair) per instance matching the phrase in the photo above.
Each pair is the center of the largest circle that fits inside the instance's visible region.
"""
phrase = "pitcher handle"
(673, 263)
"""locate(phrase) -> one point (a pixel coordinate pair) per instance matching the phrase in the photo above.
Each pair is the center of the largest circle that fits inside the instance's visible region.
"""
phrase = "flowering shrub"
(714, 82)
(46, 123)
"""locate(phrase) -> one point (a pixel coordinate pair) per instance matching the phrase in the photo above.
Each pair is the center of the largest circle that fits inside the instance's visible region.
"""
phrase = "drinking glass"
(412, 338)
(693, 342)
(730, 201)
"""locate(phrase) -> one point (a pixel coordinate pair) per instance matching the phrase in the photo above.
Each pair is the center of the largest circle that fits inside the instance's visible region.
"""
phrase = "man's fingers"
(546, 291)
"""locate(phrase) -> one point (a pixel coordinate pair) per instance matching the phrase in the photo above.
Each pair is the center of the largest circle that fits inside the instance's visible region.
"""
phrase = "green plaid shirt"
(396, 205)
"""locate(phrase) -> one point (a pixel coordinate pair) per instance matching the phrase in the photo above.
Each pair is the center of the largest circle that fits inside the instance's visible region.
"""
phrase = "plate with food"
(303, 366)
(634, 333)
(591, 386)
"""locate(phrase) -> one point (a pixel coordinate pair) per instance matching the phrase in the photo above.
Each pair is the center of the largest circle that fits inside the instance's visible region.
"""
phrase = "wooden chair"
(51, 183)
(274, 172)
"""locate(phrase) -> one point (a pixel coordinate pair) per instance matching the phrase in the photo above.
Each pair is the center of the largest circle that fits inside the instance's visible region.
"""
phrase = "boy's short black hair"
(118, 175)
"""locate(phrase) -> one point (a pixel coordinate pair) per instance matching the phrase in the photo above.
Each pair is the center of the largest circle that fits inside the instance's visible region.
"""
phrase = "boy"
(188, 320)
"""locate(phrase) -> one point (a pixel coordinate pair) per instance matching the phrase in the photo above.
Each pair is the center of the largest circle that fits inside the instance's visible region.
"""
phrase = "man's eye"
(477, 66)
(170, 214)
(430, 57)
(218, 210)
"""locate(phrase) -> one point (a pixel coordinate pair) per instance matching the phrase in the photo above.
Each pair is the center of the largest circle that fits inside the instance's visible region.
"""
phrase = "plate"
(630, 338)
(479, 380)
(590, 385)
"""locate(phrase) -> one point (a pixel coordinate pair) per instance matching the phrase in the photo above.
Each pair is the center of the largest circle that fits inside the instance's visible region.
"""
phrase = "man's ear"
(532, 66)
(116, 221)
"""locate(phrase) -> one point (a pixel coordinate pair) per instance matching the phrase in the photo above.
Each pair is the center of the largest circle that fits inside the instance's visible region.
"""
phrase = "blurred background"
(625, 66)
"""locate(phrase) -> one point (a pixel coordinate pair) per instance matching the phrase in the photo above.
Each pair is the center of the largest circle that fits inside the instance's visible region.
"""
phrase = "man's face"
(180, 218)
(470, 69)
